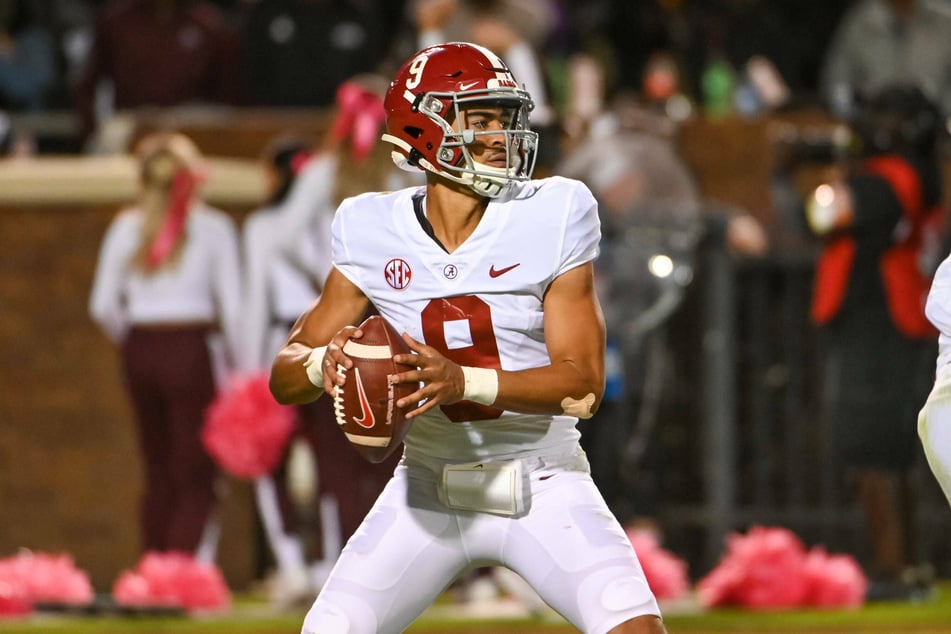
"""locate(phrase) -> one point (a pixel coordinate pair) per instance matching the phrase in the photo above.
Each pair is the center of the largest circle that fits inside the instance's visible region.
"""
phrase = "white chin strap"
(486, 185)
(481, 184)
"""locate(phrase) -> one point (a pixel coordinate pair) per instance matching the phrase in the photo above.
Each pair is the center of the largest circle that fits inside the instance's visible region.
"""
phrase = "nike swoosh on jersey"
(494, 272)
(366, 412)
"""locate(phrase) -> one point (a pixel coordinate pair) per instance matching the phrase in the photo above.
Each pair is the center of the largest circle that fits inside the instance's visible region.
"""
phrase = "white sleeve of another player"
(309, 196)
(938, 306)
(934, 429)
(254, 316)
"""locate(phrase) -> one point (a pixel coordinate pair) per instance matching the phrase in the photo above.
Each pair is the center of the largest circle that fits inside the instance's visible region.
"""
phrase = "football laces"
(338, 399)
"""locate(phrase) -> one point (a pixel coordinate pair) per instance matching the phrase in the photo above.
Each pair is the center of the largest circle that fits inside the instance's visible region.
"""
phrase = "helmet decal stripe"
(494, 60)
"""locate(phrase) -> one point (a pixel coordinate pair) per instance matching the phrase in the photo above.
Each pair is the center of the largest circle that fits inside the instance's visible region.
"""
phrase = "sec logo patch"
(397, 273)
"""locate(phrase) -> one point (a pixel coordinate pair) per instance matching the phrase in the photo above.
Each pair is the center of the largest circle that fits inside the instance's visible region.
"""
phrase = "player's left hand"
(441, 380)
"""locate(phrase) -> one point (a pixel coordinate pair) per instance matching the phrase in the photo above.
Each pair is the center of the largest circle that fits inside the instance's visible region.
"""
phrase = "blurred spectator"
(626, 35)
(880, 223)
(71, 25)
(791, 37)
(13, 142)
(7, 135)
(167, 283)
(28, 70)
(276, 290)
(652, 220)
(295, 53)
(883, 42)
(157, 53)
(287, 251)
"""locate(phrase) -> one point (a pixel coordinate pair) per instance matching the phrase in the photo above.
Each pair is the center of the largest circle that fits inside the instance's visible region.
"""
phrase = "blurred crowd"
(611, 79)
(95, 57)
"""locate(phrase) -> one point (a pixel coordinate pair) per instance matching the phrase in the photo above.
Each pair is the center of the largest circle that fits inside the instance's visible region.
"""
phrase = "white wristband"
(482, 385)
(313, 366)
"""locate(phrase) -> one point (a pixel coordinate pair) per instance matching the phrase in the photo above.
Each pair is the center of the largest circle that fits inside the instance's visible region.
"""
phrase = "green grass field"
(251, 616)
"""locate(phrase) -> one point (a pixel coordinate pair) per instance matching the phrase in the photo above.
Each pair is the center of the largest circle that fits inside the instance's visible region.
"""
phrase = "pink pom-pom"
(172, 579)
(666, 573)
(44, 578)
(246, 431)
(835, 581)
(13, 600)
(720, 586)
(763, 570)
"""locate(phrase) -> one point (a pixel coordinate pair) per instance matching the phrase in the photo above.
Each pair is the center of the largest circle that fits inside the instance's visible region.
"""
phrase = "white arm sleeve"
(227, 282)
(254, 316)
(310, 195)
(106, 306)
(938, 305)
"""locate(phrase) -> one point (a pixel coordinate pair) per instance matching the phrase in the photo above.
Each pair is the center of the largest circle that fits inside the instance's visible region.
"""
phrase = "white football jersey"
(480, 305)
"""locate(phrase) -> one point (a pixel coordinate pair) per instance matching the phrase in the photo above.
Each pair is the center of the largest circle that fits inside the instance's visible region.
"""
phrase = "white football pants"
(567, 546)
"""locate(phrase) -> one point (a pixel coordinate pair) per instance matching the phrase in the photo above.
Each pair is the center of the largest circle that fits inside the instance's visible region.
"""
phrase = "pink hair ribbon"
(299, 160)
(183, 185)
(359, 118)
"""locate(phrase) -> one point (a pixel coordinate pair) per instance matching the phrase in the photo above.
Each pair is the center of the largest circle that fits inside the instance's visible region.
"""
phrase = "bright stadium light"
(660, 265)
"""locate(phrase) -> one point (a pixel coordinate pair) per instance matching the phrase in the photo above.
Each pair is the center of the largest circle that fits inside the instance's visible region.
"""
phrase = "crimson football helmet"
(428, 97)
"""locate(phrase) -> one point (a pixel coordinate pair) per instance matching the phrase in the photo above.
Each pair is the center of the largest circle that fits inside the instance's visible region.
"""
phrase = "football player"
(489, 275)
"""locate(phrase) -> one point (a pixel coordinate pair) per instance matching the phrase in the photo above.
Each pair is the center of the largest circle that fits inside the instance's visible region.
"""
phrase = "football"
(365, 407)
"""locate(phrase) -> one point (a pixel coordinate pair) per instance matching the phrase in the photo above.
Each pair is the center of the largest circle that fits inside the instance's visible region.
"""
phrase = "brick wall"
(69, 467)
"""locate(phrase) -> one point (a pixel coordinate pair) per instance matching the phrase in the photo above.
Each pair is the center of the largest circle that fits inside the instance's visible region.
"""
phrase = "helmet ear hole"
(413, 131)
(414, 157)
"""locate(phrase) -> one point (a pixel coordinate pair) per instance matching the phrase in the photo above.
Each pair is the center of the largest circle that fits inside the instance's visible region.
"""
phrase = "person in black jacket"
(880, 222)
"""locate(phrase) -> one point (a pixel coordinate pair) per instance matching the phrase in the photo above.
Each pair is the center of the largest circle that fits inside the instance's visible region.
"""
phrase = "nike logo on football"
(468, 85)
(366, 412)
(494, 272)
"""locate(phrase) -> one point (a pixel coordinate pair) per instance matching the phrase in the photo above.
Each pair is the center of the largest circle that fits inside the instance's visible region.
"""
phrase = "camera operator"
(880, 220)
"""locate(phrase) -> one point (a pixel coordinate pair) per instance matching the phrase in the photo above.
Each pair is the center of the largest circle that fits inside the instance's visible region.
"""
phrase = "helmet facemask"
(520, 144)
(455, 160)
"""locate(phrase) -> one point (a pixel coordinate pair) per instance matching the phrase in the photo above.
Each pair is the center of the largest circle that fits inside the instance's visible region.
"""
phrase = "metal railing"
(754, 449)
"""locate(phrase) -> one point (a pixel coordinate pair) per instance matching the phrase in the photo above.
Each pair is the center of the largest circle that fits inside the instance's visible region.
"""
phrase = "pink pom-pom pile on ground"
(246, 431)
(13, 601)
(173, 580)
(769, 568)
(28, 578)
(834, 581)
(666, 573)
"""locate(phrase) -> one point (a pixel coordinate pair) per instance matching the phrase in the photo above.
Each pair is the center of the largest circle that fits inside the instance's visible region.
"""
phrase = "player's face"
(488, 122)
